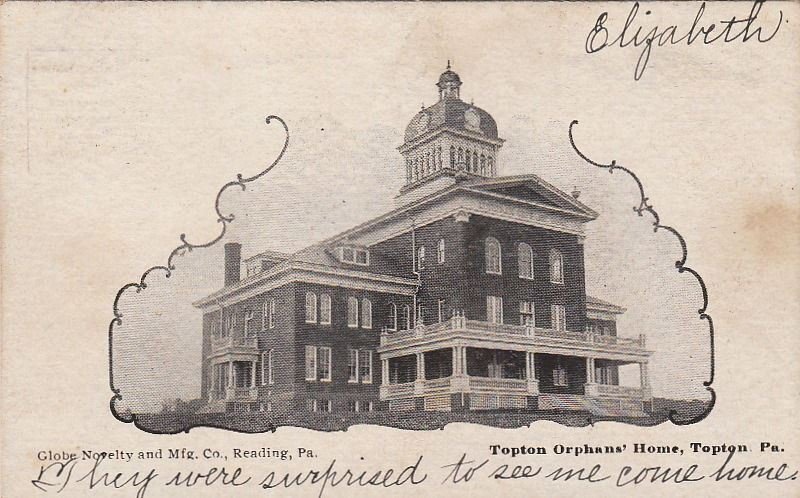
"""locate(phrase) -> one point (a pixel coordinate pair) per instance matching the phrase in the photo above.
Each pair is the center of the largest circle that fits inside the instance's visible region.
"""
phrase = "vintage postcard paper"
(374, 249)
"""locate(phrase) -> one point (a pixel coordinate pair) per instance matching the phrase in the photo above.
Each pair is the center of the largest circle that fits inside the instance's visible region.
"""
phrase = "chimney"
(233, 262)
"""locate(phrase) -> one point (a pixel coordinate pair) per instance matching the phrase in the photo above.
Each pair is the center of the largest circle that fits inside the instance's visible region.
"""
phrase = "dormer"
(353, 255)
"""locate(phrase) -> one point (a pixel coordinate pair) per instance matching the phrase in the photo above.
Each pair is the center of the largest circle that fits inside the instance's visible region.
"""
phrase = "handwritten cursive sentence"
(725, 31)
(93, 475)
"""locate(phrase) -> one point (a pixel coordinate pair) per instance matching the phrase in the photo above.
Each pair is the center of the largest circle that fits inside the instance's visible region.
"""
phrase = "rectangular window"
(355, 256)
(494, 309)
(311, 405)
(352, 365)
(249, 331)
(266, 368)
(311, 307)
(440, 252)
(560, 377)
(602, 375)
(352, 312)
(326, 406)
(352, 405)
(325, 309)
(272, 313)
(558, 317)
(365, 366)
(324, 363)
(441, 310)
(526, 313)
(311, 363)
(215, 328)
(370, 406)
(230, 324)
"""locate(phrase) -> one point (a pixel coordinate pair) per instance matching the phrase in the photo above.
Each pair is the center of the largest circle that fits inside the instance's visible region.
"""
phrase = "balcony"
(476, 332)
(234, 345)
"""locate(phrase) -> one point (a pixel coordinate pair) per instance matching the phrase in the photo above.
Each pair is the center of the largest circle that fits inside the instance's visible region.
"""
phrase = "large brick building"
(470, 295)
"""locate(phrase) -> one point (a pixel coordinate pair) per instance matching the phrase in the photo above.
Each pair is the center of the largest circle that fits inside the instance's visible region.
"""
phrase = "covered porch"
(233, 380)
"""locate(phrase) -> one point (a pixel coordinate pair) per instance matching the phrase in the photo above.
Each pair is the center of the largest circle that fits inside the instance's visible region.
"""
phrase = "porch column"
(231, 374)
(253, 374)
(645, 380)
(590, 370)
(213, 382)
(385, 371)
(530, 373)
(456, 361)
(464, 370)
(420, 366)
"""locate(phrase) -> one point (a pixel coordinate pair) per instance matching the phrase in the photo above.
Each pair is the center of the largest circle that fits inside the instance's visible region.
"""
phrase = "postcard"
(391, 249)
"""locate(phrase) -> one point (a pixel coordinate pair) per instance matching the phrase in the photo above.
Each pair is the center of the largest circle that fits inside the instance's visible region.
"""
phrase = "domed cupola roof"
(451, 112)
(448, 77)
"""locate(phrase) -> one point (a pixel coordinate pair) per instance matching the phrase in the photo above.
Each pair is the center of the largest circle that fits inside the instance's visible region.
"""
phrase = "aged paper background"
(120, 123)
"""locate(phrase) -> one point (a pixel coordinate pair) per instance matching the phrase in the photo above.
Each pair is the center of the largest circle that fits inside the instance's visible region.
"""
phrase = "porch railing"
(234, 342)
(498, 384)
(460, 323)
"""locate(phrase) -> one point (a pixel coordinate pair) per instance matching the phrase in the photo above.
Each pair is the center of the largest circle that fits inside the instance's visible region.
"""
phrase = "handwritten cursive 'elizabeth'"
(726, 30)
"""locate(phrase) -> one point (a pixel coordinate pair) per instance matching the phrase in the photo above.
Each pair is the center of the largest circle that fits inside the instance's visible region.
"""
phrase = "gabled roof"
(552, 199)
(531, 187)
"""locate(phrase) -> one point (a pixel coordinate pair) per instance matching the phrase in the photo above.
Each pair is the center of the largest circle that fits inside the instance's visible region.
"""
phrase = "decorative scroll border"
(180, 251)
(242, 182)
(645, 207)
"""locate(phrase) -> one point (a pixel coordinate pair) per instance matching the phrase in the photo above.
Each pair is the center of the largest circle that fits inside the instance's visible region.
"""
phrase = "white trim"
(366, 313)
(311, 308)
(325, 349)
(313, 351)
(351, 379)
(529, 251)
(323, 298)
(553, 220)
(364, 378)
(312, 274)
(352, 312)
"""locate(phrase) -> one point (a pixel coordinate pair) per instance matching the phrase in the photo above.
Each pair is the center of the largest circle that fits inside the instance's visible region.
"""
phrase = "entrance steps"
(606, 407)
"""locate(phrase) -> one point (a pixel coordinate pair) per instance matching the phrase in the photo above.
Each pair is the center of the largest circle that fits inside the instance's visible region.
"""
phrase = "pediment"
(532, 189)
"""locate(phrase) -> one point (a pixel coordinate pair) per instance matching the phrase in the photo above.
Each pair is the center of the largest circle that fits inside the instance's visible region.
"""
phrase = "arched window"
(311, 307)
(468, 161)
(416, 170)
(408, 171)
(556, 267)
(475, 162)
(407, 316)
(392, 317)
(493, 256)
(440, 251)
(366, 313)
(439, 157)
(427, 163)
(352, 312)
(325, 309)
(460, 157)
(420, 258)
(525, 261)
(483, 165)
(452, 156)
(490, 162)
